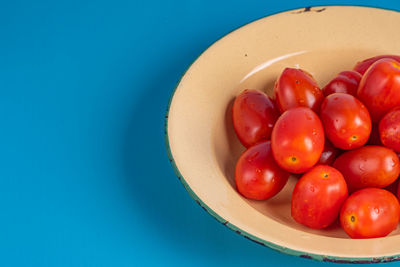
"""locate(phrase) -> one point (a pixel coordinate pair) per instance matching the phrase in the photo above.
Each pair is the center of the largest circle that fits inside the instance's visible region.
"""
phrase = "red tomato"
(389, 129)
(297, 88)
(370, 213)
(318, 197)
(374, 138)
(345, 82)
(329, 154)
(379, 88)
(257, 176)
(254, 114)
(362, 66)
(368, 166)
(297, 140)
(346, 121)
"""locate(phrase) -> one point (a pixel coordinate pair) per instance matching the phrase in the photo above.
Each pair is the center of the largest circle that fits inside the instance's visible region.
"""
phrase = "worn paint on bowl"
(201, 142)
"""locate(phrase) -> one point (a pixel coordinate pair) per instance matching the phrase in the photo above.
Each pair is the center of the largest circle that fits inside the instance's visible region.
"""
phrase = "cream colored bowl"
(203, 147)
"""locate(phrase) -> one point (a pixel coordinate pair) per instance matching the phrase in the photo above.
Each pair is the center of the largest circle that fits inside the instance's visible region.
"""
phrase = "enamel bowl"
(201, 142)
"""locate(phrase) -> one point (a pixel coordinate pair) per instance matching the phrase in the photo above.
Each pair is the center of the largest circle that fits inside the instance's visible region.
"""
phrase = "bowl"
(201, 142)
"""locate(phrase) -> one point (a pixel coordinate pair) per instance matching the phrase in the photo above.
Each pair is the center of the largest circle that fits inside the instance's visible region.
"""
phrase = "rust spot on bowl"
(309, 9)
(373, 260)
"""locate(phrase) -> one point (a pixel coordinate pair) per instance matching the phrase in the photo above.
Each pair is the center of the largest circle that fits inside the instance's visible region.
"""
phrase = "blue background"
(84, 175)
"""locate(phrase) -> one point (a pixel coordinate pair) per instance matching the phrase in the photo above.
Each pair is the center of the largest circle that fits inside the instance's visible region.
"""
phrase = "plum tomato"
(362, 66)
(297, 88)
(346, 121)
(345, 82)
(379, 88)
(257, 176)
(297, 139)
(389, 129)
(318, 197)
(254, 115)
(370, 213)
(368, 166)
(329, 154)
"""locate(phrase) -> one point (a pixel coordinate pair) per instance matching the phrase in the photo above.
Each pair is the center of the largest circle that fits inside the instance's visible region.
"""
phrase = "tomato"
(297, 88)
(346, 121)
(329, 154)
(297, 139)
(345, 82)
(318, 197)
(374, 138)
(368, 166)
(254, 115)
(370, 213)
(362, 66)
(389, 129)
(379, 88)
(257, 176)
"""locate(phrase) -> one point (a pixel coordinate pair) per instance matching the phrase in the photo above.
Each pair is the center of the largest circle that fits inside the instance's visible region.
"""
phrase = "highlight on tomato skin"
(379, 88)
(254, 114)
(389, 129)
(362, 66)
(368, 166)
(345, 82)
(257, 176)
(346, 121)
(297, 140)
(297, 88)
(370, 213)
(318, 197)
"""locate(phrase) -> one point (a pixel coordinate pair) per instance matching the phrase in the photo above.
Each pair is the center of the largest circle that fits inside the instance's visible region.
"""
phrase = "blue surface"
(84, 176)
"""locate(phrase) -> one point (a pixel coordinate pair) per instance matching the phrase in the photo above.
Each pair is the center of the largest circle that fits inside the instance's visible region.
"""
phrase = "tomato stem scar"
(352, 218)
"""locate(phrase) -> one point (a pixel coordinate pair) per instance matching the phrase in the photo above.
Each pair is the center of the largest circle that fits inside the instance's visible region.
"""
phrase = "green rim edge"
(318, 257)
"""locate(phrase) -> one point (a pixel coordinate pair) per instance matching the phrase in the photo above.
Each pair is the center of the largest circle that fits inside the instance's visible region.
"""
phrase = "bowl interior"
(227, 147)
(200, 132)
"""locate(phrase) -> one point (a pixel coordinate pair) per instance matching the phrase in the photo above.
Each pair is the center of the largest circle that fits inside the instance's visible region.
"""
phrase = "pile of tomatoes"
(343, 139)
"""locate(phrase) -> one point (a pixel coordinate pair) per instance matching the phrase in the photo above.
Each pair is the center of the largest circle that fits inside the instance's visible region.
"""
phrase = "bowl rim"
(204, 206)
